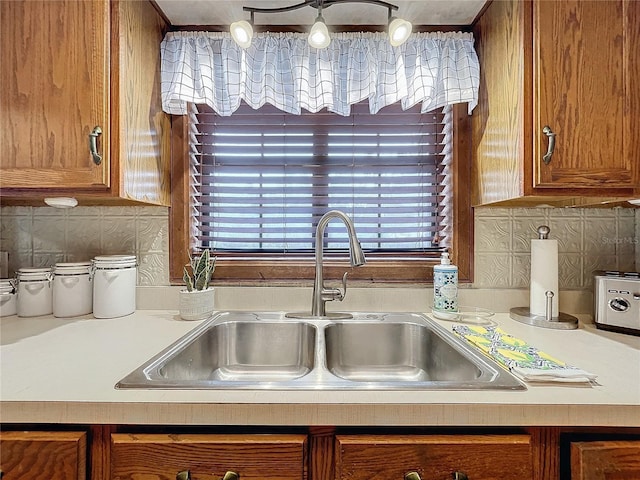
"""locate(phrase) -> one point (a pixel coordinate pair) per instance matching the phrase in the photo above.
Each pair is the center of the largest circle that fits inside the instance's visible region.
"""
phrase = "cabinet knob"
(552, 144)
(459, 476)
(184, 475)
(93, 145)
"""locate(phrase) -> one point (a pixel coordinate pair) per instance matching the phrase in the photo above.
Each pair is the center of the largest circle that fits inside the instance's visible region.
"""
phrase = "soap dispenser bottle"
(445, 285)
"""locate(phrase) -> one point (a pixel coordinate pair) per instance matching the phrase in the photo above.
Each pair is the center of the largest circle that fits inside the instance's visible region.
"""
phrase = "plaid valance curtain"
(281, 69)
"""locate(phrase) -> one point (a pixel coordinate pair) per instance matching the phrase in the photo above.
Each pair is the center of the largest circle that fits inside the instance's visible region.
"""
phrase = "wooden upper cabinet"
(55, 90)
(43, 455)
(571, 66)
(72, 66)
(583, 52)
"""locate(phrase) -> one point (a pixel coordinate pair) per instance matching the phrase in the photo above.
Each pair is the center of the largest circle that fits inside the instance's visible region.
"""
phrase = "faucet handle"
(344, 286)
(330, 294)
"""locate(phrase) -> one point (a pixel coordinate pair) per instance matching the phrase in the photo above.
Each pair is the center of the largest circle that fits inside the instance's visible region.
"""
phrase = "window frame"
(275, 270)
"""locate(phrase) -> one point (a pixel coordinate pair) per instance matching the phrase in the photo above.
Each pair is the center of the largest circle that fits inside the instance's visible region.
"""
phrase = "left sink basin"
(241, 352)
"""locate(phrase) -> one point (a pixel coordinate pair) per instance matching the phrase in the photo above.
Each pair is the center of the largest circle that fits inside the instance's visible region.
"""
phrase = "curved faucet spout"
(320, 294)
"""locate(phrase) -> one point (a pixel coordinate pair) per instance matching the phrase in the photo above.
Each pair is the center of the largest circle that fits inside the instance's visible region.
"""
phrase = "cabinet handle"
(416, 476)
(93, 145)
(552, 144)
(186, 475)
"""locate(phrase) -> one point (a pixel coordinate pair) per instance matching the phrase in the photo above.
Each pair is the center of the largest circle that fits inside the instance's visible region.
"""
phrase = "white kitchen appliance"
(617, 301)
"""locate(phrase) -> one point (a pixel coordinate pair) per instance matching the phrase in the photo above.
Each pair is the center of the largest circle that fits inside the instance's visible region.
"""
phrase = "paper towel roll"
(544, 276)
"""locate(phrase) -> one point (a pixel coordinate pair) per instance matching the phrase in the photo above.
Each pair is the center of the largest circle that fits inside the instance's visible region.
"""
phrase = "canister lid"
(114, 261)
(6, 285)
(34, 273)
(72, 268)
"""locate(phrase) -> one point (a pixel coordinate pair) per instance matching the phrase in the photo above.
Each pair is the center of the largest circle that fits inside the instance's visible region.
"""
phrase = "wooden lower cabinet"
(208, 456)
(605, 460)
(433, 457)
(33, 455)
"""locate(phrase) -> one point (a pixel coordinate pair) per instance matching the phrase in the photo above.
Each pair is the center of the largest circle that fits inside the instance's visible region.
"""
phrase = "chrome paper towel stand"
(562, 321)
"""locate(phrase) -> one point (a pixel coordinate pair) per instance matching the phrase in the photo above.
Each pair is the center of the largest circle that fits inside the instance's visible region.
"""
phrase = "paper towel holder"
(563, 321)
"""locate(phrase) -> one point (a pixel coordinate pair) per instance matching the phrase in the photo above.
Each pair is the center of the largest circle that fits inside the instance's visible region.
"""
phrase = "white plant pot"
(197, 305)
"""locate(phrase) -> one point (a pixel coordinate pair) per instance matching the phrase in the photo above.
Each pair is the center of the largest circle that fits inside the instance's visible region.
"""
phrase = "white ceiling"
(418, 12)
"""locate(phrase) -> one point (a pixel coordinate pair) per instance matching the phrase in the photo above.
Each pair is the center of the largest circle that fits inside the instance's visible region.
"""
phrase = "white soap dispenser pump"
(445, 286)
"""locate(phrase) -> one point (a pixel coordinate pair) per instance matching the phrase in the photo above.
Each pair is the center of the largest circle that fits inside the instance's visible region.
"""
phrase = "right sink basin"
(396, 353)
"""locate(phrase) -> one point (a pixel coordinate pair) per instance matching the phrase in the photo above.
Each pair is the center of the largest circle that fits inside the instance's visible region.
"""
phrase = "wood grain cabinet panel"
(55, 90)
(72, 66)
(209, 456)
(434, 457)
(605, 460)
(43, 455)
(583, 91)
(571, 66)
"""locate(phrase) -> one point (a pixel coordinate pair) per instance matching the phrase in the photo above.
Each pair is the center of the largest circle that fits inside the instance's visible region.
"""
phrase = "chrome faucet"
(321, 295)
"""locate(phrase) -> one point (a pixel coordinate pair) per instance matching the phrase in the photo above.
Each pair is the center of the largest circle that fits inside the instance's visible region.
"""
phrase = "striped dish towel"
(522, 359)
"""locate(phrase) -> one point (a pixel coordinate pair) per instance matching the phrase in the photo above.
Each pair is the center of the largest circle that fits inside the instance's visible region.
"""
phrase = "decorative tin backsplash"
(42, 236)
(589, 239)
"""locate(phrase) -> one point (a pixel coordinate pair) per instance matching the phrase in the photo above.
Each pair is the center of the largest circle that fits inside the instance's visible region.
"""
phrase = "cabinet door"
(55, 90)
(43, 455)
(584, 53)
(479, 457)
(605, 460)
(208, 457)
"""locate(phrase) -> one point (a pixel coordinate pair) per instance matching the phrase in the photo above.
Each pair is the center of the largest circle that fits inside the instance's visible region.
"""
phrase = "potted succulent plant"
(197, 299)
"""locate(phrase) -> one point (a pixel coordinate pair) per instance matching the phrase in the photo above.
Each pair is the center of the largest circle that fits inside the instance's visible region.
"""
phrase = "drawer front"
(208, 457)
(434, 457)
(43, 455)
(605, 460)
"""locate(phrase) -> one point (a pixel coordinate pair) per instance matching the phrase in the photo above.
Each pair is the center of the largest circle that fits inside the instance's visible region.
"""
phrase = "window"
(259, 181)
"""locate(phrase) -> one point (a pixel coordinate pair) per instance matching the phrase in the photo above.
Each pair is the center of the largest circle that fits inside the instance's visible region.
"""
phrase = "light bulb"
(242, 33)
(399, 31)
(319, 35)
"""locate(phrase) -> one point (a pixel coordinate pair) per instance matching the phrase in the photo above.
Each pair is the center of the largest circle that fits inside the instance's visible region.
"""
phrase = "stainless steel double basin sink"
(266, 350)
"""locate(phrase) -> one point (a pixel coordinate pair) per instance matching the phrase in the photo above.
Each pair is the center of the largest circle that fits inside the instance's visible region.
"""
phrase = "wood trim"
(100, 451)
(179, 217)
(377, 271)
(463, 240)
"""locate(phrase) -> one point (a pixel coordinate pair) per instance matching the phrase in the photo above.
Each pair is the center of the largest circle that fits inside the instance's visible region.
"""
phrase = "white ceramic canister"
(72, 289)
(114, 285)
(8, 297)
(35, 292)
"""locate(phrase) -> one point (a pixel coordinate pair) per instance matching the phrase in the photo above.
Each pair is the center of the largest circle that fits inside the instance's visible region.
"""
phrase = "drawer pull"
(459, 476)
(412, 476)
(186, 475)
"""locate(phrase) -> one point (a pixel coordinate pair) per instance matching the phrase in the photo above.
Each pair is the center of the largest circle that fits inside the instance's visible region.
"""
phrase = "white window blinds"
(263, 178)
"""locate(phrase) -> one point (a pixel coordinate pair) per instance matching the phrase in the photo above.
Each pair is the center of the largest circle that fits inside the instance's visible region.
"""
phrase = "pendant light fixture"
(242, 31)
(319, 34)
(399, 31)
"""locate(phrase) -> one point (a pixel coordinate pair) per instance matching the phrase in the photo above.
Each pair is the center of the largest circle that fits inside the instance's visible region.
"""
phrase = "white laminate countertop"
(63, 371)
